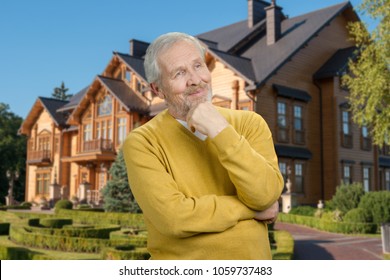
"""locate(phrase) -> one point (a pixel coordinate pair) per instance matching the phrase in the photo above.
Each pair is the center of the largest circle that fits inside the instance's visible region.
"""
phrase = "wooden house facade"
(286, 69)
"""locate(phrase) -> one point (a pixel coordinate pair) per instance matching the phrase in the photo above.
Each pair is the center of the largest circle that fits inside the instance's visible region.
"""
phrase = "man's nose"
(193, 78)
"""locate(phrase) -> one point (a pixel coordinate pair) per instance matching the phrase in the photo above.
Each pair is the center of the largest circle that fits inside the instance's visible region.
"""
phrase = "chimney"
(274, 23)
(138, 48)
(256, 11)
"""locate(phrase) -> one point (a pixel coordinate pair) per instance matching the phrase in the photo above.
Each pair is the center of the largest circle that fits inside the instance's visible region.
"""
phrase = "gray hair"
(165, 41)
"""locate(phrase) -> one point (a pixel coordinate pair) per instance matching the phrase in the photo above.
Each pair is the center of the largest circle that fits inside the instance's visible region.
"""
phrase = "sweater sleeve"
(168, 209)
(250, 159)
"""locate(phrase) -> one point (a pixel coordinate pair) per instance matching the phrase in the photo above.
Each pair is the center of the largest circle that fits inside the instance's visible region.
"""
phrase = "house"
(286, 69)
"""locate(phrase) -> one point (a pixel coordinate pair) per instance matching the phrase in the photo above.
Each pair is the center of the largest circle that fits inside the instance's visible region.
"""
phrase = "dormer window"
(128, 76)
(105, 106)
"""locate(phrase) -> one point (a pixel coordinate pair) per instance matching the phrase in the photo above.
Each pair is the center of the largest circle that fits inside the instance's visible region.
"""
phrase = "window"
(282, 122)
(42, 183)
(139, 86)
(298, 125)
(366, 178)
(298, 186)
(387, 180)
(87, 136)
(104, 106)
(283, 171)
(128, 76)
(245, 106)
(44, 143)
(109, 129)
(121, 129)
(104, 129)
(365, 139)
(347, 173)
(385, 150)
(290, 113)
(346, 129)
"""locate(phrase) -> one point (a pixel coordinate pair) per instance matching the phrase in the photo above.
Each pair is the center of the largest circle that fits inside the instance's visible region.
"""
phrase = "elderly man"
(206, 178)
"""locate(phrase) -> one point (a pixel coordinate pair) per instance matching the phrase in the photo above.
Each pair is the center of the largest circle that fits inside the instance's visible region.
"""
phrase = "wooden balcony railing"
(98, 145)
(94, 197)
(39, 156)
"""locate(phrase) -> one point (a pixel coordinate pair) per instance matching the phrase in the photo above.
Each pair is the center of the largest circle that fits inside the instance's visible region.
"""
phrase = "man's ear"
(157, 90)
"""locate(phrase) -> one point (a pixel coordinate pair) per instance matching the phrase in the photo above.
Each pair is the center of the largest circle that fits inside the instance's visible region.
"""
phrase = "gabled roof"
(238, 64)
(129, 99)
(74, 100)
(337, 64)
(44, 103)
(134, 63)
(227, 37)
(252, 42)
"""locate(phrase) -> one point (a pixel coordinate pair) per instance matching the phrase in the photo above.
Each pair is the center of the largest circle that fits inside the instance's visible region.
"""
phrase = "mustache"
(193, 89)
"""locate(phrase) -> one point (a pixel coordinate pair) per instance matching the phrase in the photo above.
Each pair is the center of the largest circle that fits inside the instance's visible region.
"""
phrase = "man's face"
(185, 78)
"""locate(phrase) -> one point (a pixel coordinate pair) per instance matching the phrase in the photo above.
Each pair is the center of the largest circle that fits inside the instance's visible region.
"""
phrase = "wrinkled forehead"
(179, 53)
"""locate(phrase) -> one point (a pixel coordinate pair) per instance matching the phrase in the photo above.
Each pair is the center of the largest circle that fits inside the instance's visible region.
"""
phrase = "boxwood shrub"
(21, 235)
(127, 236)
(128, 252)
(89, 217)
(54, 222)
(4, 228)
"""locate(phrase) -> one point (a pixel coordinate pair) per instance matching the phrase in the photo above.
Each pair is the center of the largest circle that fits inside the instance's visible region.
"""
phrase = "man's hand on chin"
(206, 119)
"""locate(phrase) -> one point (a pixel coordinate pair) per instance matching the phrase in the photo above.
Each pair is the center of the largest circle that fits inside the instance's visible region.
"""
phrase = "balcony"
(39, 157)
(98, 145)
(94, 197)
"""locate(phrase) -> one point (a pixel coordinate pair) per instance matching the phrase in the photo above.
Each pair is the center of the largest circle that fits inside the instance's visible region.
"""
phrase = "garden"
(87, 233)
(82, 232)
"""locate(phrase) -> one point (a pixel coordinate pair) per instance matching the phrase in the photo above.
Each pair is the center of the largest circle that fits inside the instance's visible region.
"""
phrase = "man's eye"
(198, 65)
(179, 73)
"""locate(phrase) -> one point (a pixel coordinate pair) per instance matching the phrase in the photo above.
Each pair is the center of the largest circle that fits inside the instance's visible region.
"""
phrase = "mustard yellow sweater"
(198, 197)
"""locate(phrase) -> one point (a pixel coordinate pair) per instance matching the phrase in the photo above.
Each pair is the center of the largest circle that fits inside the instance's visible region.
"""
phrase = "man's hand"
(206, 119)
(268, 215)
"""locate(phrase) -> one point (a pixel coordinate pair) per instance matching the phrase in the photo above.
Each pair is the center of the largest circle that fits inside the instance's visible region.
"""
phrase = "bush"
(303, 211)
(26, 204)
(377, 204)
(348, 196)
(125, 253)
(55, 223)
(358, 215)
(63, 204)
(334, 216)
(4, 228)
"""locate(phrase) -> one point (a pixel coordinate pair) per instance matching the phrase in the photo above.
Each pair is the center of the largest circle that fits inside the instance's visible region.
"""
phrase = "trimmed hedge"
(54, 223)
(125, 253)
(88, 217)
(20, 235)
(339, 227)
(63, 204)
(20, 253)
(127, 236)
(4, 228)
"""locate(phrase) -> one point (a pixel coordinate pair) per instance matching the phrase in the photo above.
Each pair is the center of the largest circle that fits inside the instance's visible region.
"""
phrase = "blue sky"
(45, 42)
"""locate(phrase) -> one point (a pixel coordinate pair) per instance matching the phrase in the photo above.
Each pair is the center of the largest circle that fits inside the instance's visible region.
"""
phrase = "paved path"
(312, 244)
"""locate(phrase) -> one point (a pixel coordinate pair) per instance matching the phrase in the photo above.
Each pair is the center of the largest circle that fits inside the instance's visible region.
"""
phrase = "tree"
(117, 194)
(60, 93)
(369, 74)
(13, 153)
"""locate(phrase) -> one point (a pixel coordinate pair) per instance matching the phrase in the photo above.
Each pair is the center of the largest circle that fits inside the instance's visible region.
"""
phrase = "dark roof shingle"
(125, 94)
(337, 64)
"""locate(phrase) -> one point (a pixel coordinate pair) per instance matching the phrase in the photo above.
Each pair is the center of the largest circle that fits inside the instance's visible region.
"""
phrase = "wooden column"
(235, 94)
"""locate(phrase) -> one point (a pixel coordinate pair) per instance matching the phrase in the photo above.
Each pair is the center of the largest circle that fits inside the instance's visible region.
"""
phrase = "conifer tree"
(117, 194)
(60, 93)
